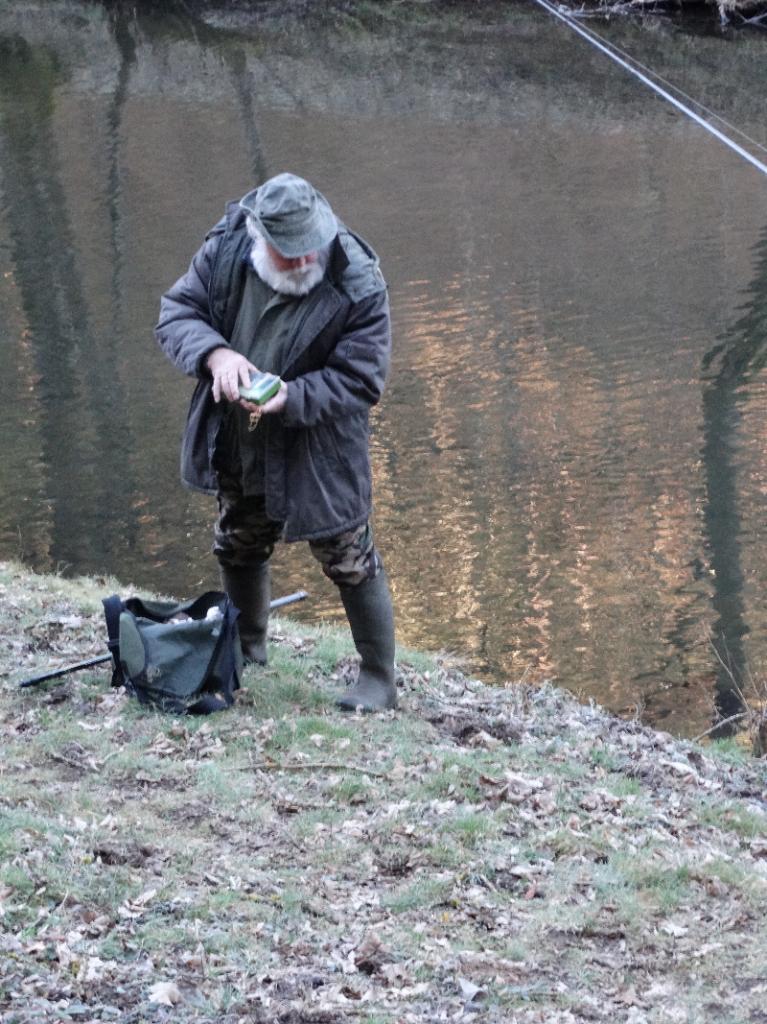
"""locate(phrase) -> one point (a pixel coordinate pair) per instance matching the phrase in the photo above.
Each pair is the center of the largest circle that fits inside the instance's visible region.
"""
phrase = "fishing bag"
(182, 658)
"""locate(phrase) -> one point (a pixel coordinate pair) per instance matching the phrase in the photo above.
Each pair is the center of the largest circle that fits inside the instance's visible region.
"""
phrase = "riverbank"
(723, 8)
(483, 853)
(726, 11)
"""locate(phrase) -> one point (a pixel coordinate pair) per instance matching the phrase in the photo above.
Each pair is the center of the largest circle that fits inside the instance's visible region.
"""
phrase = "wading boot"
(249, 587)
(369, 611)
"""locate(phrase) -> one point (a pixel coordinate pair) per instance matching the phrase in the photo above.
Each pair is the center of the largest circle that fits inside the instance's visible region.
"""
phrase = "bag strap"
(113, 608)
(227, 638)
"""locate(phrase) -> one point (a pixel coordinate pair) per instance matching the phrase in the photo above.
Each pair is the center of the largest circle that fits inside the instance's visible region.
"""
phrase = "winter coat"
(318, 479)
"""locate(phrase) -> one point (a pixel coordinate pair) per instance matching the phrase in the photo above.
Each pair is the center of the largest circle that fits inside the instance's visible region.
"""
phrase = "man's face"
(296, 276)
(285, 263)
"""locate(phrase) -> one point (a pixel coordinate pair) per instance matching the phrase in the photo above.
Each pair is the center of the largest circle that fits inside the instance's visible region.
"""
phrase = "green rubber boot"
(249, 587)
(371, 618)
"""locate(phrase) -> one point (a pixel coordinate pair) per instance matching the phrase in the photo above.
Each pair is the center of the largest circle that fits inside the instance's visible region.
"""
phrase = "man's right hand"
(229, 369)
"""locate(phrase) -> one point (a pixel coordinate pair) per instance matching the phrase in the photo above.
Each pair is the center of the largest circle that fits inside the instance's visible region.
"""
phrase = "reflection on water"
(730, 369)
(569, 462)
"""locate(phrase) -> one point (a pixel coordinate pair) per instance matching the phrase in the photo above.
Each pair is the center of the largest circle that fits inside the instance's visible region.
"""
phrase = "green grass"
(731, 818)
(20, 882)
(660, 888)
(215, 783)
(458, 776)
(277, 692)
(731, 874)
(445, 853)
(565, 843)
(730, 749)
(623, 787)
(605, 759)
(352, 791)
(304, 829)
(309, 733)
(23, 829)
(515, 951)
(471, 829)
(419, 895)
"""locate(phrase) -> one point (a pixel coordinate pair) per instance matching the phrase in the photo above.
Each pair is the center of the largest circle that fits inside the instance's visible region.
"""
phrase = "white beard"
(298, 281)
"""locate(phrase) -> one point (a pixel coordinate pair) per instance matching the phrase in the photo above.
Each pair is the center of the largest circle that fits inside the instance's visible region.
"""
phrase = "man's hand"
(277, 402)
(229, 369)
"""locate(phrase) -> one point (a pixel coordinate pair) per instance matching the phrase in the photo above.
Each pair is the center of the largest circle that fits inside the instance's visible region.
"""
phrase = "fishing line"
(679, 92)
(663, 93)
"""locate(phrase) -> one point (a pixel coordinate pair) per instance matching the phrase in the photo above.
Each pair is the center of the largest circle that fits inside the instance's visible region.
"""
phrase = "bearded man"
(281, 286)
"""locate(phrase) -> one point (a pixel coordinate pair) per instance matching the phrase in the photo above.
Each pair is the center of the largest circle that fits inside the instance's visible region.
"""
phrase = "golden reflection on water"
(565, 498)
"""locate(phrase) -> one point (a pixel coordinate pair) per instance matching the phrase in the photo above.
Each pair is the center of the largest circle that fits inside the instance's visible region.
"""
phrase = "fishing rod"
(278, 602)
(596, 41)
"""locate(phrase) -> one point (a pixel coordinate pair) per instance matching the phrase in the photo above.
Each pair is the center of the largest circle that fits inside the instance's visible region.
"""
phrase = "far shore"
(737, 11)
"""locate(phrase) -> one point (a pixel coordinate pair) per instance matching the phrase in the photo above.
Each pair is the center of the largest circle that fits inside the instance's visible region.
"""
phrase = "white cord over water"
(679, 92)
(595, 41)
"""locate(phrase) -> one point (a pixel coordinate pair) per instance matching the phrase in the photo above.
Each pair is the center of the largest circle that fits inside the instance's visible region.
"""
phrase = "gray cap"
(291, 215)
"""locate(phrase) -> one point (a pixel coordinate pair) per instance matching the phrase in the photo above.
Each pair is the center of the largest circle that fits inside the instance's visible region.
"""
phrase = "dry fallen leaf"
(483, 739)
(758, 847)
(677, 930)
(370, 954)
(469, 990)
(165, 993)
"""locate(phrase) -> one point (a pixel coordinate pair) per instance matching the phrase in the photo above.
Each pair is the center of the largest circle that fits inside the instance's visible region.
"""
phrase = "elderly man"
(281, 286)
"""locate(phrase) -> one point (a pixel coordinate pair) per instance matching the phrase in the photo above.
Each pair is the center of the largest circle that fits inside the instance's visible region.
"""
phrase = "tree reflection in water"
(73, 396)
(727, 370)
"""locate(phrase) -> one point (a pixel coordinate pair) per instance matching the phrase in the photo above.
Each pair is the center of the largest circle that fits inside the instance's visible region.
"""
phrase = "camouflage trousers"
(244, 535)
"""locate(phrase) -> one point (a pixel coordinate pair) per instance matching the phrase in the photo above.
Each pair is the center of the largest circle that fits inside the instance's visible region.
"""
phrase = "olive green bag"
(182, 658)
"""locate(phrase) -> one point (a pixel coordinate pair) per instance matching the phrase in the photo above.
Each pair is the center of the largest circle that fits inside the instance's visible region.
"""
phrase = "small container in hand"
(263, 386)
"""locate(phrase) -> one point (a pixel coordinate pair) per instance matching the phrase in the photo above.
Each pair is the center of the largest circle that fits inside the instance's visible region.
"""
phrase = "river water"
(570, 467)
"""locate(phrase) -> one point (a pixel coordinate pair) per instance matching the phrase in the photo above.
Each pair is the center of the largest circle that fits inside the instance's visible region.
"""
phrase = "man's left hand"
(275, 404)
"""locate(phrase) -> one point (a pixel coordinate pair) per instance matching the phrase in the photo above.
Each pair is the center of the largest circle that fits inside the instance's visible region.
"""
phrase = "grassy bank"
(485, 854)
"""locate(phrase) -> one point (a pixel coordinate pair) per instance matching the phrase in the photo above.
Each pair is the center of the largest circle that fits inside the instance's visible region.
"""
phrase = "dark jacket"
(317, 462)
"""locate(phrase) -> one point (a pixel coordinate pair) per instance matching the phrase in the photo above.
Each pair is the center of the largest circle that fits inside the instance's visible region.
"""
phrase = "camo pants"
(244, 535)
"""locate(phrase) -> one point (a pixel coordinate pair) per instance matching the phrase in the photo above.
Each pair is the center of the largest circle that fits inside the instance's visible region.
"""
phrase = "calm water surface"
(570, 463)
